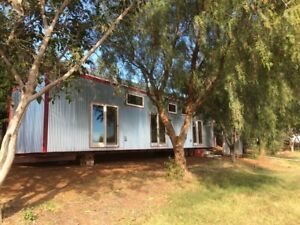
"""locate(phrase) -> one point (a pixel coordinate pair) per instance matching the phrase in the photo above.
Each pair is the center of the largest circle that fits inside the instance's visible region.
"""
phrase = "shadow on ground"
(243, 175)
(230, 179)
(31, 185)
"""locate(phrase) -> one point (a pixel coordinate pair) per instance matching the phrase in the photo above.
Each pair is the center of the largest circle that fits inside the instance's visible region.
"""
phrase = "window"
(135, 100)
(172, 108)
(104, 125)
(158, 131)
(197, 132)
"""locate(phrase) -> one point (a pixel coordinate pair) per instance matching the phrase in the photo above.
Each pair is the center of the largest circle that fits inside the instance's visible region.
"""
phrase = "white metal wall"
(30, 136)
(69, 122)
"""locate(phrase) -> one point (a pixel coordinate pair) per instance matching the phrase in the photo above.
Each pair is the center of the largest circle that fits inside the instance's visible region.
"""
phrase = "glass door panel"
(194, 133)
(98, 124)
(111, 125)
(153, 128)
(199, 132)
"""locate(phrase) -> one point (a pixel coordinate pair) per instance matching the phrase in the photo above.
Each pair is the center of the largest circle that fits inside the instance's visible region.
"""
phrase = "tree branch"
(13, 31)
(84, 58)
(12, 69)
(168, 63)
(195, 56)
(44, 18)
(33, 73)
(227, 140)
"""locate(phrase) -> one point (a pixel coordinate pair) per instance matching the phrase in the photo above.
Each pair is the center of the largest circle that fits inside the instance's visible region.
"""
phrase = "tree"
(170, 52)
(186, 51)
(49, 42)
(258, 95)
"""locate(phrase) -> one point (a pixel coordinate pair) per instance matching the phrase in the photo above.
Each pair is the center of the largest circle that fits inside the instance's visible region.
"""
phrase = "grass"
(234, 195)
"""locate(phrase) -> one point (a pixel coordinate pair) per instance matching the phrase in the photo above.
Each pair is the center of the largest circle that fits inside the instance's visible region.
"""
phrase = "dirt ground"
(114, 191)
(117, 190)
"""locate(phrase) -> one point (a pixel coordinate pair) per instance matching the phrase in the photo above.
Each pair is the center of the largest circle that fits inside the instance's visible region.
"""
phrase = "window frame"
(104, 144)
(136, 95)
(196, 122)
(158, 143)
(170, 103)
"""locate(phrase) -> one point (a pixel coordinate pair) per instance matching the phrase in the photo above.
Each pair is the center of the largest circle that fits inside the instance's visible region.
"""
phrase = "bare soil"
(114, 191)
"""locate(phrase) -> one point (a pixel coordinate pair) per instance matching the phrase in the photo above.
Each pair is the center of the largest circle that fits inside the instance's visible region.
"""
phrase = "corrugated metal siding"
(30, 136)
(69, 123)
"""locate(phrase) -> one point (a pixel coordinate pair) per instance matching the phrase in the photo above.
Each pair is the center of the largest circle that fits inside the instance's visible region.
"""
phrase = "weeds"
(29, 215)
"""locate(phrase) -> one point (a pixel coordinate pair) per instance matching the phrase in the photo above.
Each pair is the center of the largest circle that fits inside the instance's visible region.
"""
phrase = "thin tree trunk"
(262, 151)
(1, 134)
(232, 153)
(8, 146)
(292, 144)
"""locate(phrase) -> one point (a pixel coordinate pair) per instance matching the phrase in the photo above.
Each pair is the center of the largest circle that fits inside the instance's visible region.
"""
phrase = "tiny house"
(103, 117)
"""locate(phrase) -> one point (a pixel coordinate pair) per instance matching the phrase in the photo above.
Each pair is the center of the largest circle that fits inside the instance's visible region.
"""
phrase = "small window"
(183, 110)
(172, 108)
(197, 132)
(135, 100)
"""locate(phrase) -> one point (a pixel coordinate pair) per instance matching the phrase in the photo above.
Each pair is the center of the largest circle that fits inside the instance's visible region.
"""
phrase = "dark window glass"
(199, 132)
(153, 128)
(111, 125)
(194, 133)
(135, 100)
(98, 124)
(172, 108)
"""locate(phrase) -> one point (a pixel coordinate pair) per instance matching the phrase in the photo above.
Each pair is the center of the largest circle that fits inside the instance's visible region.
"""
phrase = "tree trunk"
(180, 157)
(262, 151)
(231, 142)
(177, 141)
(8, 146)
(292, 145)
(1, 134)
(233, 155)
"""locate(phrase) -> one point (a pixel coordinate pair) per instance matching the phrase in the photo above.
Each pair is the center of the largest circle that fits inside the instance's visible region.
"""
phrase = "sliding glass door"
(104, 125)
